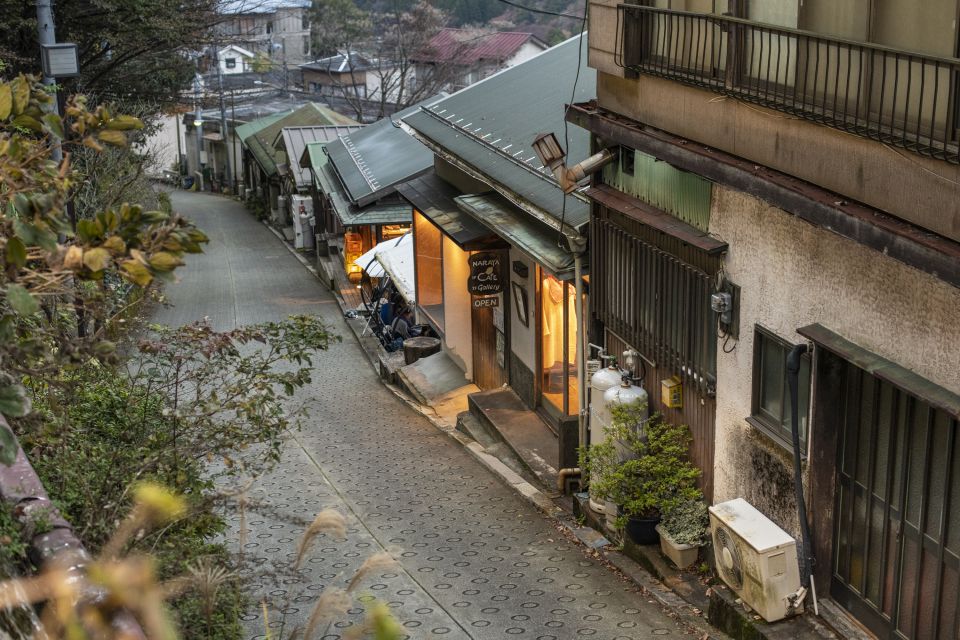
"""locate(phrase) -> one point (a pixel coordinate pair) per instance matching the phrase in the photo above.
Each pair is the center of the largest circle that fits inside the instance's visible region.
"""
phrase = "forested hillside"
(503, 15)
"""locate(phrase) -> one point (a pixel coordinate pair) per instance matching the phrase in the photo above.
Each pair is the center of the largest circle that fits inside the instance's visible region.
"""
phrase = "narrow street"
(475, 560)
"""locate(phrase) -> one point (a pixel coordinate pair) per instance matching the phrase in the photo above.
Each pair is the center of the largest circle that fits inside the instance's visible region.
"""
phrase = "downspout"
(806, 556)
(581, 338)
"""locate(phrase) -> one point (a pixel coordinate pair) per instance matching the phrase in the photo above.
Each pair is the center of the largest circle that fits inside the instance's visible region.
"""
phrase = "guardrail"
(905, 99)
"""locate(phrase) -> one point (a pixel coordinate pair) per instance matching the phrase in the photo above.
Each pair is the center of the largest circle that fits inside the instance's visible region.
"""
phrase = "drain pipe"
(793, 381)
(581, 340)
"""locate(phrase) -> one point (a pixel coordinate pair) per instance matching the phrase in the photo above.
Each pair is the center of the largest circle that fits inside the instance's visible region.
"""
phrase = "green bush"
(89, 457)
(657, 478)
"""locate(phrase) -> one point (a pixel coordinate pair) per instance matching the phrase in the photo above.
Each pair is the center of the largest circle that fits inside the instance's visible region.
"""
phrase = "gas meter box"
(671, 393)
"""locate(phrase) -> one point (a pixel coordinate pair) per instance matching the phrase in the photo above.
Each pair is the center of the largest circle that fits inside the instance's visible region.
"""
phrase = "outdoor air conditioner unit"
(247, 193)
(301, 213)
(757, 559)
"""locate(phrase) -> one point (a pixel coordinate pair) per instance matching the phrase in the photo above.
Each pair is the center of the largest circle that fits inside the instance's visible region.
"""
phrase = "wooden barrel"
(419, 347)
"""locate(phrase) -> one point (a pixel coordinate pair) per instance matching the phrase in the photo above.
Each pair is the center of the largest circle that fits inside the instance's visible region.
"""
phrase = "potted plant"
(683, 531)
(656, 475)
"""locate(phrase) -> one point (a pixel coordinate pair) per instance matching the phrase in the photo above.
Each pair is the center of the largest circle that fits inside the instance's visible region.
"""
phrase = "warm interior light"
(548, 150)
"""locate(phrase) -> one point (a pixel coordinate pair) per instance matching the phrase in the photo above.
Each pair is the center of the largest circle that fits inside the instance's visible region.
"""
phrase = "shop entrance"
(558, 346)
(489, 335)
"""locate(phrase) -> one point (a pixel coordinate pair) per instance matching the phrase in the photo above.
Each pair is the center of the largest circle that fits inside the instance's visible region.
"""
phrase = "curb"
(594, 542)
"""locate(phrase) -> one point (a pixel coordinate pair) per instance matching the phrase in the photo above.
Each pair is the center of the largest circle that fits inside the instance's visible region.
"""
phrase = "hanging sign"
(486, 277)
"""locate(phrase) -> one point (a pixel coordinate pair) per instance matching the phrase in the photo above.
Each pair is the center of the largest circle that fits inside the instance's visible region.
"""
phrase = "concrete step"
(505, 416)
(468, 424)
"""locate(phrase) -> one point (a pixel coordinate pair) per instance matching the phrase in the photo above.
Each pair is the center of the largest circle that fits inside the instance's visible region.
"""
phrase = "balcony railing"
(900, 98)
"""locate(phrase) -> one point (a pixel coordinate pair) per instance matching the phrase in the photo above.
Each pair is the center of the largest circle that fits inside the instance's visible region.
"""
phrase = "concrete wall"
(858, 168)
(458, 335)
(163, 145)
(793, 274)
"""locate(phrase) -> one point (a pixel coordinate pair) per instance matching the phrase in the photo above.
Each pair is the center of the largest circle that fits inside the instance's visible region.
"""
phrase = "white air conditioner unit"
(757, 559)
(301, 214)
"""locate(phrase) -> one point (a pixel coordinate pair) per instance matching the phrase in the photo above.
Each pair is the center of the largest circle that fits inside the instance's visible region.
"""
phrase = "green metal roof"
(244, 131)
(327, 182)
(260, 142)
(490, 125)
(520, 230)
(374, 159)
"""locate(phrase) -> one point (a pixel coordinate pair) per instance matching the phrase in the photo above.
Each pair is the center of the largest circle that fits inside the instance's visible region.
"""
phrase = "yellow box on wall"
(671, 393)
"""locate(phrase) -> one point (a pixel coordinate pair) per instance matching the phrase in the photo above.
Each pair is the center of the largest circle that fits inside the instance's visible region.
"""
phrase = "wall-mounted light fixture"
(552, 155)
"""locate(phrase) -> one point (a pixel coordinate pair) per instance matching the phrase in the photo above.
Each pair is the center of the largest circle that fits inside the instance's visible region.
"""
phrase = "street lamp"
(552, 155)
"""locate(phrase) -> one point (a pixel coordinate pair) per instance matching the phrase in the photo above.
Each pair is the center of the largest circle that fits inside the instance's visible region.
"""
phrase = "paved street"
(475, 560)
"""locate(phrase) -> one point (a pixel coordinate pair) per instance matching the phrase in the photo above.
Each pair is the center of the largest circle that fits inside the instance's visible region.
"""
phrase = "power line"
(543, 11)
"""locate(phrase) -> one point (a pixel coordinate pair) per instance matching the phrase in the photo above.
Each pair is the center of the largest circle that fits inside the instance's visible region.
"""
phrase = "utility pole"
(198, 125)
(47, 35)
(223, 117)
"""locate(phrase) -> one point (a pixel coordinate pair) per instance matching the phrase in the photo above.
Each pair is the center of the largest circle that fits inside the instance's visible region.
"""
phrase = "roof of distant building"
(467, 46)
(490, 126)
(259, 6)
(260, 142)
(238, 49)
(294, 140)
(340, 63)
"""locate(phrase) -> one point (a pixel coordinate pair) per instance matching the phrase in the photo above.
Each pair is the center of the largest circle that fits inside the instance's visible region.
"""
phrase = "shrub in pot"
(658, 476)
(683, 530)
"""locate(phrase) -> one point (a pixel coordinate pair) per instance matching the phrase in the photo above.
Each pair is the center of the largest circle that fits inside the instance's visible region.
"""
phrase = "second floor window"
(231, 63)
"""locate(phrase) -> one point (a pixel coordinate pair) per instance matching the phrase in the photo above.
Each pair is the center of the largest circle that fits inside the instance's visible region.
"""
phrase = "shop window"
(428, 243)
(558, 345)
(771, 394)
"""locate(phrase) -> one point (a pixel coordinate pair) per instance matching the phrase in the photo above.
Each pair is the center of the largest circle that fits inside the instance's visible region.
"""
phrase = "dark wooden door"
(489, 346)
(896, 558)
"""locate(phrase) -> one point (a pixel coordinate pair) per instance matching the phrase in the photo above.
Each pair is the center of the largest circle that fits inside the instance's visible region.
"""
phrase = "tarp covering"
(392, 258)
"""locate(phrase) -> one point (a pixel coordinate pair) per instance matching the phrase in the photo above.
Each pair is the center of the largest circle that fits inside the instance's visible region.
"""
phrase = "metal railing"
(901, 98)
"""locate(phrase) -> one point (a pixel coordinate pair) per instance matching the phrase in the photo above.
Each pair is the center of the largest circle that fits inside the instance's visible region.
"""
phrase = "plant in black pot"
(656, 478)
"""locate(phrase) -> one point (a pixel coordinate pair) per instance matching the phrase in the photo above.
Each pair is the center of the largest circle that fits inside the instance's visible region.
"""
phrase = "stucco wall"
(793, 274)
(458, 337)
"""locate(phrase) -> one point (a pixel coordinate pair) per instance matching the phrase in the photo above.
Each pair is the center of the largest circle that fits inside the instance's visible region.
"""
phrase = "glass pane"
(771, 378)
(429, 269)
(557, 339)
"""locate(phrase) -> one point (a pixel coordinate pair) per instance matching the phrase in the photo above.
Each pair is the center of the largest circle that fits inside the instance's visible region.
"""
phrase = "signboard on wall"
(486, 301)
(486, 274)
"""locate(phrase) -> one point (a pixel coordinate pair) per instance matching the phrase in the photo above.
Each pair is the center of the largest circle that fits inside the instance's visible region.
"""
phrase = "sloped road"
(474, 559)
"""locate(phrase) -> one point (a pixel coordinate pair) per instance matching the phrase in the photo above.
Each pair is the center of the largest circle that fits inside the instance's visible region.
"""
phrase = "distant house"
(234, 60)
(334, 75)
(466, 56)
(279, 29)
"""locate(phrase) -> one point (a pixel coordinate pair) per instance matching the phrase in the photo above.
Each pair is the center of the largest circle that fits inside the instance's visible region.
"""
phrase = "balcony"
(900, 98)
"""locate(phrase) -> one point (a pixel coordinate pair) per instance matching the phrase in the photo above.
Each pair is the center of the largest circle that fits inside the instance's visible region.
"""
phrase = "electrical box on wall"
(671, 393)
(725, 302)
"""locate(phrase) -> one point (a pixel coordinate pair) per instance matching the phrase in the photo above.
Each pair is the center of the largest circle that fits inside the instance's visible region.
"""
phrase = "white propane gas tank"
(626, 393)
(600, 382)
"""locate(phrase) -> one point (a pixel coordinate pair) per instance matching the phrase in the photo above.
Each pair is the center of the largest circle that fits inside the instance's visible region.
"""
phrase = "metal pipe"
(563, 474)
(793, 380)
(581, 341)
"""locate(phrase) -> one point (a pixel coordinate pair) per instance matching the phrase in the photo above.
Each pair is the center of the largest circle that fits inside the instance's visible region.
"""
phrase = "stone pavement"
(475, 560)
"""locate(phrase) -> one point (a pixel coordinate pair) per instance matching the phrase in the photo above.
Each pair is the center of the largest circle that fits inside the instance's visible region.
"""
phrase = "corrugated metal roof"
(329, 183)
(293, 142)
(467, 46)
(340, 63)
(260, 143)
(490, 125)
(435, 199)
(538, 241)
(374, 159)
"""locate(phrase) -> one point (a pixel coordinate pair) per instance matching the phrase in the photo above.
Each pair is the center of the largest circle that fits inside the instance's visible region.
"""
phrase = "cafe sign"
(486, 274)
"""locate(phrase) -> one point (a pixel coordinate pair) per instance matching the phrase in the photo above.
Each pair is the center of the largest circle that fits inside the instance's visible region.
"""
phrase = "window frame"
(230, 63)
(762, 420)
